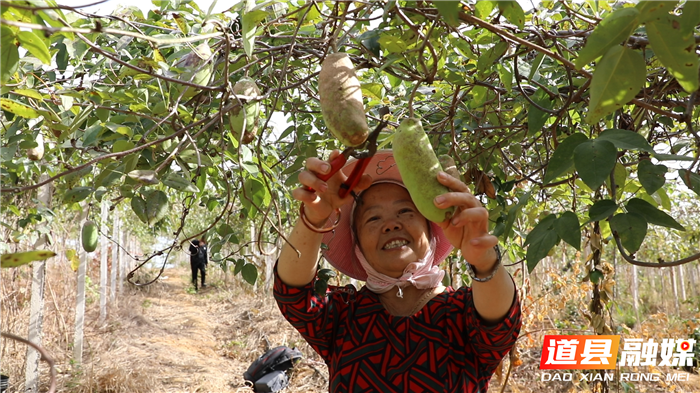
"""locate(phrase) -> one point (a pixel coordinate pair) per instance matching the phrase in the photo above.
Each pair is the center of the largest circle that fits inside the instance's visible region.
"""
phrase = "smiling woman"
(403, 331)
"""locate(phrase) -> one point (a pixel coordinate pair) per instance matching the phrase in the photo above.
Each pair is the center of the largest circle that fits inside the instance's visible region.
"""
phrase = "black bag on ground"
(267, 373)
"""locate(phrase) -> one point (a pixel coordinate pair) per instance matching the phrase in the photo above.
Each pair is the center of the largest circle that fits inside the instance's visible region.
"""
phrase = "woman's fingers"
(487, 241)
(317, 165)
(459, 199)
(452, 183)
(309, 179)
(469, 216)
(302, 195)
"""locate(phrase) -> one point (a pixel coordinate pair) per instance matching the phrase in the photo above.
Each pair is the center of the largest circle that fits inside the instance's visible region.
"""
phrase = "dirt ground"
(167, 338)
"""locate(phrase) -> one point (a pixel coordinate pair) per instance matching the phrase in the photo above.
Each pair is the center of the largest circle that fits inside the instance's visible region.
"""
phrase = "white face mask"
(421, 274)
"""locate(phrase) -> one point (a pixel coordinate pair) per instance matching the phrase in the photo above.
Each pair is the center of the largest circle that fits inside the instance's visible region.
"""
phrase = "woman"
(403, 331)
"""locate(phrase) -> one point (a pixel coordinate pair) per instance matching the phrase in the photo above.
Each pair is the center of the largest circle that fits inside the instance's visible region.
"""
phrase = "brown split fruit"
(341, 100)
(244, 121)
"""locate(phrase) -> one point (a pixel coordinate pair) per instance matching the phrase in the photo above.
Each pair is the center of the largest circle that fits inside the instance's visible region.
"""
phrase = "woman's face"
(391, 231)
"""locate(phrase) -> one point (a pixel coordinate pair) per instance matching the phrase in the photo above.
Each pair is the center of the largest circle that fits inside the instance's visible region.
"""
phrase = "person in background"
(198, 261)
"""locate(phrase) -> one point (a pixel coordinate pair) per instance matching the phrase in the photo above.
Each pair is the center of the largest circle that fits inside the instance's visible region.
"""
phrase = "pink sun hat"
(341, 245)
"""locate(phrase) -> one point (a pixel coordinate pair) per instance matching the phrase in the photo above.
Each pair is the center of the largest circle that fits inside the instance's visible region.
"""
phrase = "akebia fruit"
(197, 69)
(247, 116)
(36, 153)
(89, 236)
(341, 100)
(448, 165)
(419, 167)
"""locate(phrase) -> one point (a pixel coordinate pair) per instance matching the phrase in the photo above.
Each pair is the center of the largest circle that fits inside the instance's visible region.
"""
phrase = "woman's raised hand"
(320, 203)
(468, 229)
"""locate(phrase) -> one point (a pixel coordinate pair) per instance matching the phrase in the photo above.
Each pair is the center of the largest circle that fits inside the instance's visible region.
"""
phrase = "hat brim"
(341, 248)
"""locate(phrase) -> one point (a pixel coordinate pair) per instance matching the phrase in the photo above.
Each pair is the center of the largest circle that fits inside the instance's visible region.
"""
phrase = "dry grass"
(164, 338)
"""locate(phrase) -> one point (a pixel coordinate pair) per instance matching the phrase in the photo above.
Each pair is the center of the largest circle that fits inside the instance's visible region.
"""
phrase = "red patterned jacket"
(445, 347)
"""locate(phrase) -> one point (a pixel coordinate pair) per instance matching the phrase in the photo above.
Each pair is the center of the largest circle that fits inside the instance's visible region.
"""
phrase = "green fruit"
(89, 236)
(36, 153)
(196, 71)
(341, 100)
(248, 114)
(419, 167)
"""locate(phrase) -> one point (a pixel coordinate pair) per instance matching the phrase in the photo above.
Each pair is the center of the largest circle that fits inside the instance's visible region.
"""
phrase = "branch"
(507, 35)
(206, 120)
(633, 261)
(44, 356)
(107, 30)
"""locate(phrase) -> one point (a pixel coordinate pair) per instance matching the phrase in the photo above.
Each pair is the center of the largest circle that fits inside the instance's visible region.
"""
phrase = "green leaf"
(611, 31)
(651, 214)
(156, 207)
(110, 175)
(672, 157)
(631, 228)
(174, 180)
(249, 24)
(18, 108)
(620, 176)
(373, 90)
(392, 43)
(675, 50)
(602, 209)
(479, 96)
(513, 214)
(654, 9)
(224, 229)
(122, 145)
(238, 266)
(92, 133)
(626, 140)
(540, 240)
(249, 273)
(145, 176)
(490, 56)
(513, 12)
(691, 180)
(690, 17)
(651, 176)
(595, 276)
(616, 80)
(506, 77)
(569, 229)
(22, 258)
(35, 45)
(29, 93)
(77, 194)
(535, 117)
(482, 9)
(449, 10)
(138, 205)
(181, 23)
(563, 157)
(594, 160)
(258, 193)
(9, 54)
